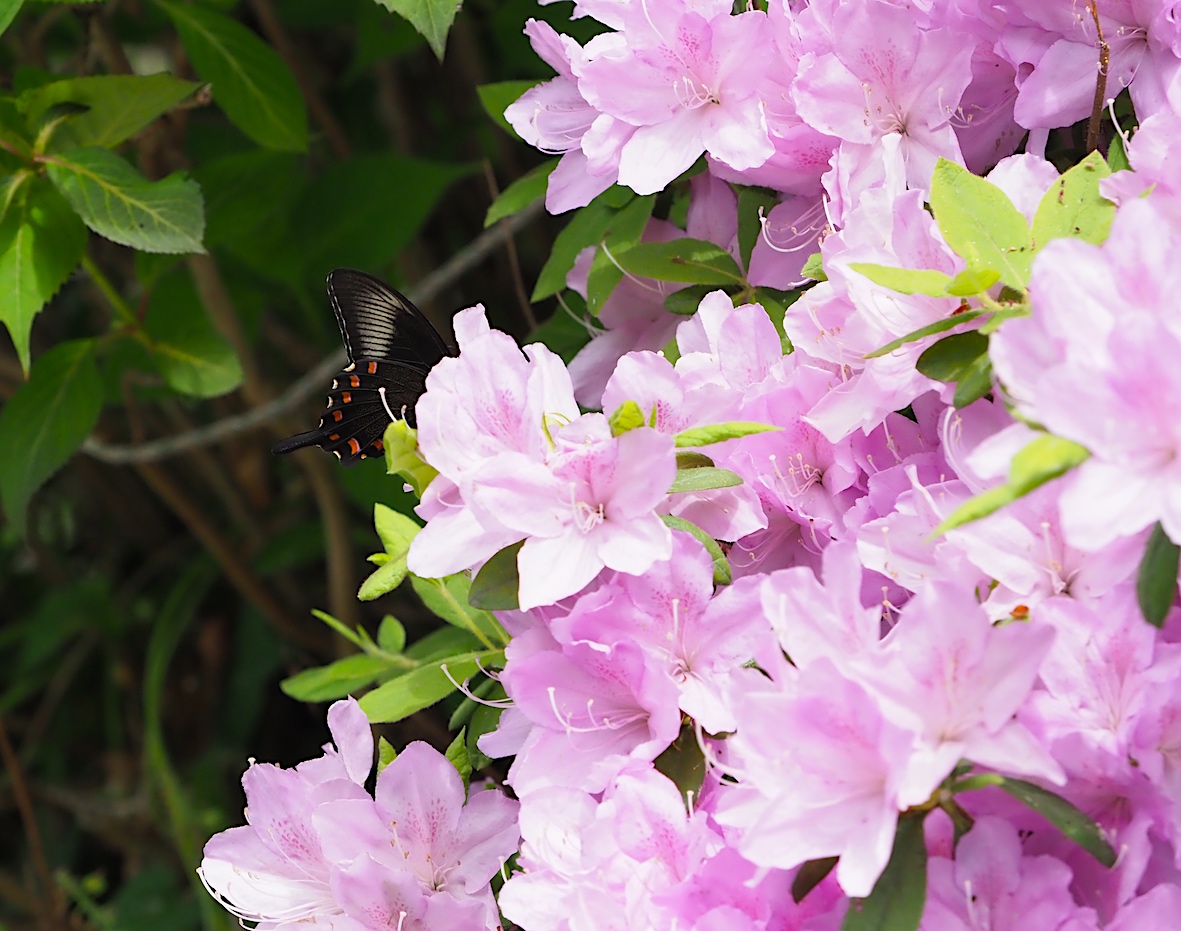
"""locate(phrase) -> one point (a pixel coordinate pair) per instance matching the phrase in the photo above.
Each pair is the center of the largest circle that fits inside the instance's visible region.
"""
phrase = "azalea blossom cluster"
(844, 668)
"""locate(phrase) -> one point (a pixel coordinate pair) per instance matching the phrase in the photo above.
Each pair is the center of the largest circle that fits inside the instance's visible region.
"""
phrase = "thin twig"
(510, 247)
(316, 380)
(1100, 81)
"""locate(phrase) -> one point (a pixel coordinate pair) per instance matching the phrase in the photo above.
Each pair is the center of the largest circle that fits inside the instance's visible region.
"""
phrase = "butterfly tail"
(300, 440)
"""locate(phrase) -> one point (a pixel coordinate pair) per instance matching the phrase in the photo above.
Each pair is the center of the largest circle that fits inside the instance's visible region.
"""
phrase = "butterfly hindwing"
(376, 322)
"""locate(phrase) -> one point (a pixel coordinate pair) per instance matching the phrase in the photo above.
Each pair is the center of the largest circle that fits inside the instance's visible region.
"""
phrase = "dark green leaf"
(194, 358)
(691, 261)
(496, 585)
(448, 599)
(722, 572)
(432, 18)
(8, 11)
(45, 421)
(949, 358)
(686, 301)
(898, 898)
(974, 382)
(981, 224)
(457, 756)
(586, 228)
(683, 762)
(775, 303)
(622, 232)
(496, 98)
(1074, 207)
(1117, 155)
(1156, 585)
(118, 106)
(754, 203)
(401, 697)
(441, 643)
(485, 719)
(117, 202)
(336, 680)
(568, 329)
(521, 193)
(41, 242)
(1063, 815)
(703, 478)
(719, 432)
(939, 326)
(693, 460)
(251, 83)
(810, 875)
(243, 191)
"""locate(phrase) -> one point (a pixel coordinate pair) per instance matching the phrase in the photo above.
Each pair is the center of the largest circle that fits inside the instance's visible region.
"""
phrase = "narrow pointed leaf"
(1156, 585)
(401, 697)
(432, 19)
(898, 898)
(722, 572)
(703, 479)
(497, 585)
(1071, 821)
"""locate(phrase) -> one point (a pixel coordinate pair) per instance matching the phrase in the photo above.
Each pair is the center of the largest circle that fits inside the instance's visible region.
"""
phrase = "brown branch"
(510, 247)
(1100, 81)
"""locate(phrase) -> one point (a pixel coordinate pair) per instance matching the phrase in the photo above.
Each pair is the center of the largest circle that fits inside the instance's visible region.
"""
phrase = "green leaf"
(496, 585)
(1117, 155)
(441, 643)
(45, 421)
(194, 358)
(521, 193)
(568, 329)
(41, 242)
(898, 897)
(457, 756)
(586, 228)
(722, 572)
(814, 268)
(1064, 816)
(448, 599)
(622, 232)
(8, 11)
(947, 359)
(752, 201)
(1043, 459)
(251, 83)
(1156, 585)
(386, 754)
(972, 281)
(905, 280)
(495, 98)
(686, 301)
(336, 680)
(719, 432)
(432, 19)
(401, 697)
(627, 416)
(1074, 207)
(939, 326)
(396, 531)
(119, 106)
(391, 635)
(691, 261)
(703, 478)
(693, 460)
(684, 763)
(243, 191)
(485, 719)
(117, 202)
(981, 224)
(811, 875)
(401, 456)
(974, 382)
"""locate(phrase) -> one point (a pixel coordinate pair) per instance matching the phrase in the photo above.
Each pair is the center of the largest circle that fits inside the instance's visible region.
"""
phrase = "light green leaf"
(432, 19)
(622, 232)
(718, 432)
(905, 280)
(981, 224)
(448, 599)
(457, 756)
(120, 105)
(1156, 584)
(1043, 459)
(814, 268)
(703, 478)
(251, 83)
(496, 98)
(336, 680)
(8, 11)
(41, 242)
(521, 193)
(45, 421)
(949, 358)
(401, 697)
(973, 281)
(194, 358)
(722, 573)
(117, 202)
(1117, 155)
(401, 456)
(586, 228)
(691, 261)
(627, 416)
(396, 531)
(497, 584)
(386, 754)
(391, 635)
(897, 900)
(939, 326)
(1074, 207)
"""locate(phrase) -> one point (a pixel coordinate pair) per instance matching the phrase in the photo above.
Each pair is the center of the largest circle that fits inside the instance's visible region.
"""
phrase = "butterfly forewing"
(376, 322)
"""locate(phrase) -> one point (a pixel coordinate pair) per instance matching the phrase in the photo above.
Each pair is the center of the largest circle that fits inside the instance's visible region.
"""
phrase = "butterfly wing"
(376, 322)
(365, 397)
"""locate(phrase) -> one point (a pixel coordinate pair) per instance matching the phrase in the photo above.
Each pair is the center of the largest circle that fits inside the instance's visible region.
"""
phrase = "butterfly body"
(391, 348)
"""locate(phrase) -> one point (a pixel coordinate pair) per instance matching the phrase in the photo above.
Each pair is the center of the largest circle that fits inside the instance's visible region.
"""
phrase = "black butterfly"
(391, 347)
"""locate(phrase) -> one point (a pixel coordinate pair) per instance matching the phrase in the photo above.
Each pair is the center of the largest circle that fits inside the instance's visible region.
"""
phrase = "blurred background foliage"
(163, 247)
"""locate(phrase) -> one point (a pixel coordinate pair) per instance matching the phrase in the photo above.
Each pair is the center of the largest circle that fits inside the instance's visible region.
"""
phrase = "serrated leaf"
(905, 280)
(336, 680)
(401, 697)
(1068, 819)
(45, 421)
(810, 875)
(251, 83)
(898, 897)
(41, 242)
(432, 19)
(386, 754)
(495, 99)
(1156, 583)
(690, 261)
(448, 599)
(117, 202)
(497, 585)
(1043, 459)
(1074, 207)
(703, 478)
(939, 326)
(719, 432)
(722, 572)
(194, 358)
(947, 359)
(391, 635)
(585, 228)
(981, 224)
(118, 106)
(456, 755)
(401, 456)
(521, 193)
(627, 416)
(814, 267)
(623, 231)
